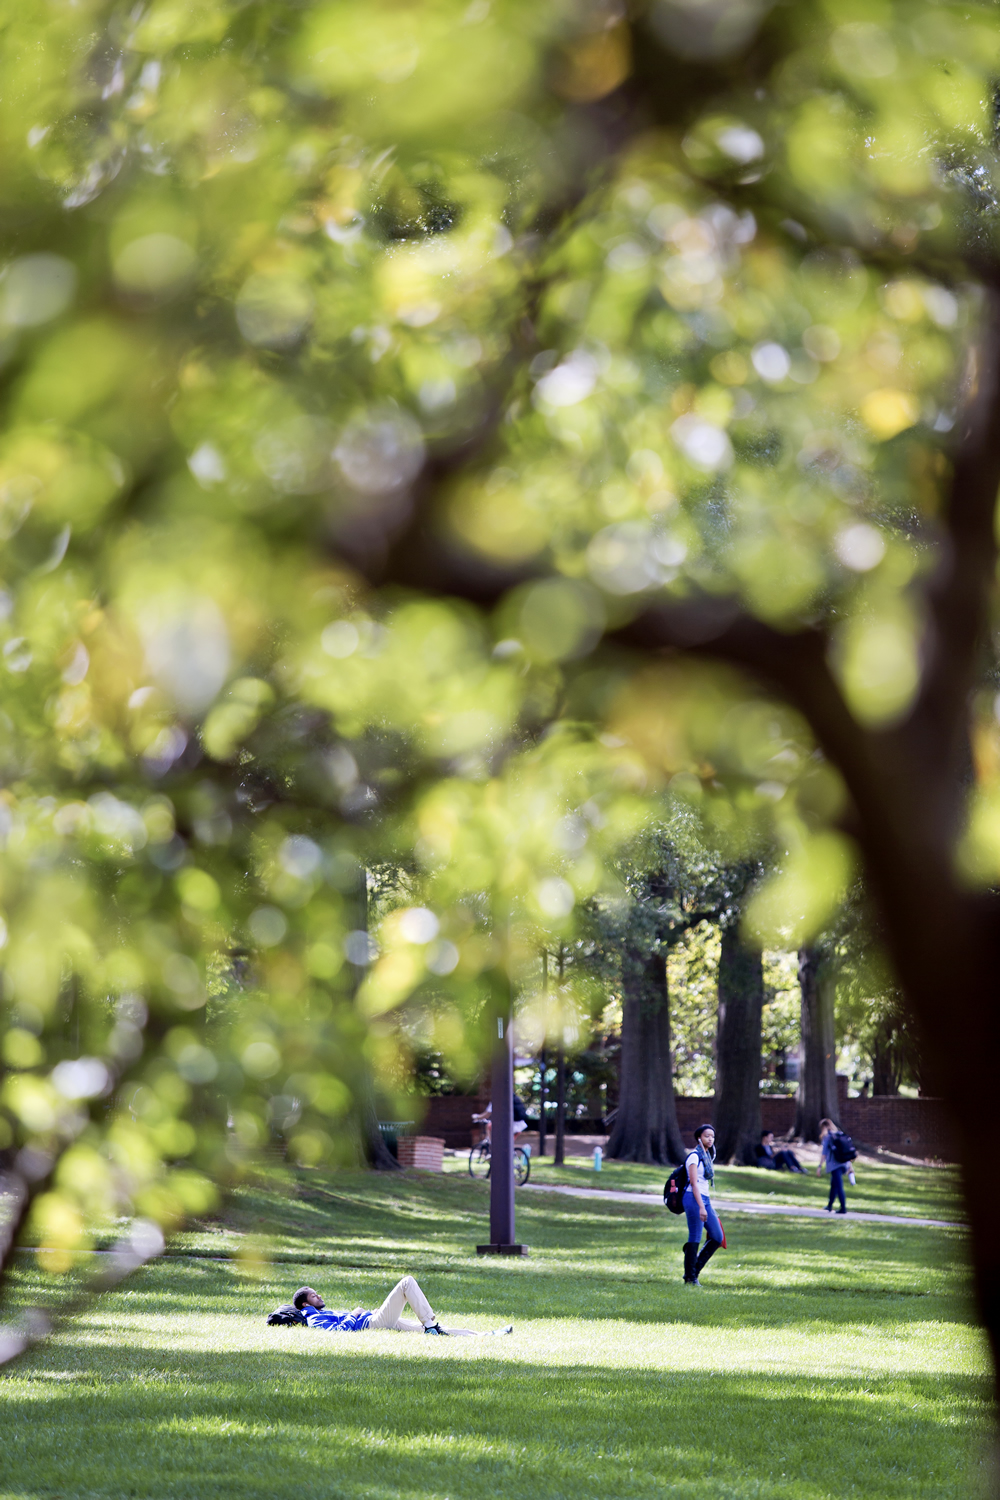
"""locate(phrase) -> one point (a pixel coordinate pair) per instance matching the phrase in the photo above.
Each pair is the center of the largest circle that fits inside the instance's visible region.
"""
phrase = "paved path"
(790, 1210)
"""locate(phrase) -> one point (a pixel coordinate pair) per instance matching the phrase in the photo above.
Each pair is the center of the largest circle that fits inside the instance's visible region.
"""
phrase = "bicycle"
(480, 1163)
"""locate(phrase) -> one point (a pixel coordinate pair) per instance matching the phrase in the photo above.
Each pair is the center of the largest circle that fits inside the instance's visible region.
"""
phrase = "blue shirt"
(830, 1162)
(336, 1322)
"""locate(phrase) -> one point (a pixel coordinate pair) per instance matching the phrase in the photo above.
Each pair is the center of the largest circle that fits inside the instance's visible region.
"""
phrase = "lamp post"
(502, 1240)
(543, 1060)
(559, 1155)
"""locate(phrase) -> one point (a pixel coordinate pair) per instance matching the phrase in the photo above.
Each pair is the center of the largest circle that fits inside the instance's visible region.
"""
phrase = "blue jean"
(694, 1218)
(837, 1186)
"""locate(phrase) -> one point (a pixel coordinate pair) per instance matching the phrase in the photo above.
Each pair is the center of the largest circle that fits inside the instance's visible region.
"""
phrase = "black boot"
(690, 1256)
(706, 1255)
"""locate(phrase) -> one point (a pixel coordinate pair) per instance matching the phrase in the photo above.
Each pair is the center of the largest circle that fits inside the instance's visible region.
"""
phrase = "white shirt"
(694, 1156)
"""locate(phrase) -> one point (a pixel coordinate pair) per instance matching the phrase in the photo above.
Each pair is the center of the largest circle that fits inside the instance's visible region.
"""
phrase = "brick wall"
(450, 1117)
(422, 1152)
(777, 1113)
(912, 1127)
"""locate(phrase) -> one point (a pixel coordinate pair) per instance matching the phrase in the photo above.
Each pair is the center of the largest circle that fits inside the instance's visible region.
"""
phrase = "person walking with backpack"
(699, 1165)
(838, 1153)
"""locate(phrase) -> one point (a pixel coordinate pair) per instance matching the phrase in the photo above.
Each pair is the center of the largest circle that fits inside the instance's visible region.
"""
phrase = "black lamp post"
(502, 1240)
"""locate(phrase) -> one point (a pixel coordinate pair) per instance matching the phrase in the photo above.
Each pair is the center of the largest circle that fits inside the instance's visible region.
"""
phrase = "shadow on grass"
(176, 1425)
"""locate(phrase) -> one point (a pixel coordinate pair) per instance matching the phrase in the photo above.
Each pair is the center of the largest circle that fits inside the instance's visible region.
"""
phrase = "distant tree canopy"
(415, 419)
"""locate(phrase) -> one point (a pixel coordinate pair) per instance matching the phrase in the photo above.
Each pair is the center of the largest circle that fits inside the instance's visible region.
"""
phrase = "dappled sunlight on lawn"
(855, 1346)
(822, 1359)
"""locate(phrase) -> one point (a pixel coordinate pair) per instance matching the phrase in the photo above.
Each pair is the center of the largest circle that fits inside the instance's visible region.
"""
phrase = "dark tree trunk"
(817, 1096)
(645, 1128)
(560, 1147)
(373, 1146)
(737, 1083)
(887, 1058)
(377, 1153)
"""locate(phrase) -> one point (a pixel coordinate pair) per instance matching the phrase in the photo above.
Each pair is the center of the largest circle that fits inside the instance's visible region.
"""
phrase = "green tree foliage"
(781, 1025)
(673, 880)
(692, 978)
(377, 383)
(692, 969)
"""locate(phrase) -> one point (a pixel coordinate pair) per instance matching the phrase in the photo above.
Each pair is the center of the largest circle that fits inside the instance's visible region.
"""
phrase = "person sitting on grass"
(389, 1315)
(773, 1160)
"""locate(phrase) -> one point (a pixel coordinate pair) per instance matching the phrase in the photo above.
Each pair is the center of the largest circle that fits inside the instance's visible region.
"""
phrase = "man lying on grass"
(317, 1315)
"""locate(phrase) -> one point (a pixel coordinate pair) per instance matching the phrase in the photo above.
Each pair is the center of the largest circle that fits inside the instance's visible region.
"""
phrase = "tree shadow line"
(737, 1296)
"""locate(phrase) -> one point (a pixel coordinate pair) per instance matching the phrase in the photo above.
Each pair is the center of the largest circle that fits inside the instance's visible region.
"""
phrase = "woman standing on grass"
(827, 1133)
(700, 1167)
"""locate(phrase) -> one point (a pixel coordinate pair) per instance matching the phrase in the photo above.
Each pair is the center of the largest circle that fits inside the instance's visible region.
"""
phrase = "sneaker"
(435, 1328)
(841, 1210)
(495, 1333)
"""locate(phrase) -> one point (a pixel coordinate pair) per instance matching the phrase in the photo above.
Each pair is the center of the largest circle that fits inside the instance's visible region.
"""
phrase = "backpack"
(673, 1189)
(842, 1148)
(286, 1316)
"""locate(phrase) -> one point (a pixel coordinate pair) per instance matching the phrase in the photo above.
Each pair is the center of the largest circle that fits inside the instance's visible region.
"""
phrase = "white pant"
(389, 1314)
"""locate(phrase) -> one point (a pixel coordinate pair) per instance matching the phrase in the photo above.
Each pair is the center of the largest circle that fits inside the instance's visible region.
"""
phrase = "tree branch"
(794, 665)
(959, 594)
(35, 1325)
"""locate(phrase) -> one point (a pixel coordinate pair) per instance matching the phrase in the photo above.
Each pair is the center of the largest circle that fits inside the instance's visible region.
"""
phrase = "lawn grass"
(913, 1192)
(823, 1359)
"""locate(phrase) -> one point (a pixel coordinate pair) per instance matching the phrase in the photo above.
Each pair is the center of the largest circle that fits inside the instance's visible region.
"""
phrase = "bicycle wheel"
(479, 1161)
(522, 1166)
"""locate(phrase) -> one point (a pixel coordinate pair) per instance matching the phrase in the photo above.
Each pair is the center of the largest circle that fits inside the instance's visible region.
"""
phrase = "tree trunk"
(559, 1154)
(737, 1083)
(887, 1059)
(373, 1146)
(377, 1153)
(817, 1095)
(645, 1128)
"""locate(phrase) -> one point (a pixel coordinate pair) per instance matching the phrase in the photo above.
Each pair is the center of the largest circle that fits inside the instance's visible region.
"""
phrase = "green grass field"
(823, 1359)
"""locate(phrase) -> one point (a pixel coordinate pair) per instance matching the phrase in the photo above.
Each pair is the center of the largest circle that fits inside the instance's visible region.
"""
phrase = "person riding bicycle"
(520, 1118)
